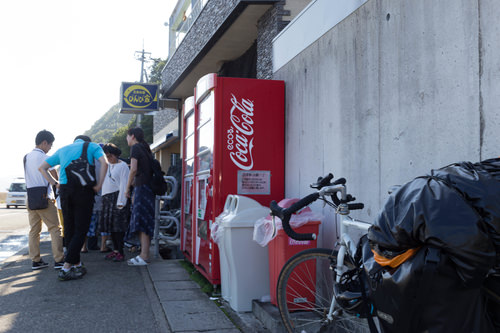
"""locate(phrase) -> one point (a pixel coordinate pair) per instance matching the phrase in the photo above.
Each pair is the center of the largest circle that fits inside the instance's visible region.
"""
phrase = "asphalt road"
(14, 228)
(112, 297)
(13, 219)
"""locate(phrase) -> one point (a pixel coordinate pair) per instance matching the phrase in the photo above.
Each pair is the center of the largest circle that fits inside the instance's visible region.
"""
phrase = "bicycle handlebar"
(322, 181)
(356, 206)
(286, 213)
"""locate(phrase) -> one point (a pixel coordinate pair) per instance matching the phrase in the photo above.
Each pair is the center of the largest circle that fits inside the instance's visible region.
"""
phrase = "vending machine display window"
(188, 186)
(203, 196)
(189, 126)
(203, 229)
(206, 134)
(206, 109)
(207, 137)
(189, 168)
(205, 160)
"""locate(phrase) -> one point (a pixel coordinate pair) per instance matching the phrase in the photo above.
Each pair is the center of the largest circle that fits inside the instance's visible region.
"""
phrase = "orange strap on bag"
(397, 260)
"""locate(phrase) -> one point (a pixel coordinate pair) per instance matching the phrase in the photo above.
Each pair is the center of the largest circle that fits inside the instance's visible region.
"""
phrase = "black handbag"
(37, 197)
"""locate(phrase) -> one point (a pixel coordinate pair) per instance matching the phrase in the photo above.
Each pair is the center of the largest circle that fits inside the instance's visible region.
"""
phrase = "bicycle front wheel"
(305, 293)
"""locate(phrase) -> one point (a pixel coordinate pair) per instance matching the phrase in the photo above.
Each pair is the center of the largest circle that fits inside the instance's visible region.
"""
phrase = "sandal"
(111, 256)
(137, 261)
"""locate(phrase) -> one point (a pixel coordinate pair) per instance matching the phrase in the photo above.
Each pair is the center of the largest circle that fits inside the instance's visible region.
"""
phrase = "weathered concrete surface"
(392, 91)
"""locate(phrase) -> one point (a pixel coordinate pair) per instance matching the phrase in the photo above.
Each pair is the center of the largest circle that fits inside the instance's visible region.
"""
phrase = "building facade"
(386, 92)
(377, 91)
(232, 38)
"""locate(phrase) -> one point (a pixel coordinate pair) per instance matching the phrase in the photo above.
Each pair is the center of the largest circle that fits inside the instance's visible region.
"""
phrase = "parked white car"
(17, 193)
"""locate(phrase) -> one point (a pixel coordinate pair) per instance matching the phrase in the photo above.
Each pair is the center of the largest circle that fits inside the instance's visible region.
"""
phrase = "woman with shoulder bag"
(142, 220)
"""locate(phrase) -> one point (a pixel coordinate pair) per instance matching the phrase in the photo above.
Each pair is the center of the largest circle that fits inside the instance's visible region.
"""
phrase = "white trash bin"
(217, 234)
(244, 264)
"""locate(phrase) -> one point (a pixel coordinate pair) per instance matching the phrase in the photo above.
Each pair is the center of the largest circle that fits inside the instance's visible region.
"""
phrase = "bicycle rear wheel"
(305, 292)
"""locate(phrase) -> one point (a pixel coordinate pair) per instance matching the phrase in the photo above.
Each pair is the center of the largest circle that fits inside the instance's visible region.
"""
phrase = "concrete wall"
(395, 89)
(294, 8)
(316, 19)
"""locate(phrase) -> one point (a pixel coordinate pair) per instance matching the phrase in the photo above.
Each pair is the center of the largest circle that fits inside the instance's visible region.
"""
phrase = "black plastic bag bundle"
(417, 298)
(455, 208)
(455, 211)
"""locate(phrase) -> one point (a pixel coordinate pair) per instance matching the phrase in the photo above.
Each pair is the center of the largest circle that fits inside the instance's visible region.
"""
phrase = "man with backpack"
(41, 205)
(77, 187)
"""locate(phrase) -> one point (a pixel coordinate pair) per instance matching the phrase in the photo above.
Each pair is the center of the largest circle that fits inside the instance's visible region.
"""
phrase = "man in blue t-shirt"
(76, 200)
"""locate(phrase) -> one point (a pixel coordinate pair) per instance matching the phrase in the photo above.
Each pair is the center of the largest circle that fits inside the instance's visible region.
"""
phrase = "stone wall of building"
(213, 15)
(163, 118)
(270, 24)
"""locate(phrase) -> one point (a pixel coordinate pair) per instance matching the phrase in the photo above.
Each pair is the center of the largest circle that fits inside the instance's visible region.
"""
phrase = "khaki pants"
(51, 220)
(59, 213)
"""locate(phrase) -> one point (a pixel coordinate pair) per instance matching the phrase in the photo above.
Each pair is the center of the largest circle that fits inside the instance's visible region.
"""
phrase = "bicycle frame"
(346, 244)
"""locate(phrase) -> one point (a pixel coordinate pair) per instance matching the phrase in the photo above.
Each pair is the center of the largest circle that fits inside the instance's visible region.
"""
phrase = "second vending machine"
(234, 144)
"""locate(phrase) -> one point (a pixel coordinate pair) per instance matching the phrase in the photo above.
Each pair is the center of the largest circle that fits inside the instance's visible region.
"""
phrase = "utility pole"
(142, 57)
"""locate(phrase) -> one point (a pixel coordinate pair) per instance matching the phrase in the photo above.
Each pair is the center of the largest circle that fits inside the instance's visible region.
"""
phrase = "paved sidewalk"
(112, 297)
(186, 307)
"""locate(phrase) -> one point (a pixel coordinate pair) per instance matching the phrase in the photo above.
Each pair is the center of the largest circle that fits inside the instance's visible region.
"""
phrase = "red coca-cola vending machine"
(238, 149)
(187, 178)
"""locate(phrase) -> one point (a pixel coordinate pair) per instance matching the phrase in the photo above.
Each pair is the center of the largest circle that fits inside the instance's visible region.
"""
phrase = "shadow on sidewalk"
(112, 297)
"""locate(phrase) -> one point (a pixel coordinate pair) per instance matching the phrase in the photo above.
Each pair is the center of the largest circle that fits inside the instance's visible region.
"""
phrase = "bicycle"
(167, 225)
(321, 289)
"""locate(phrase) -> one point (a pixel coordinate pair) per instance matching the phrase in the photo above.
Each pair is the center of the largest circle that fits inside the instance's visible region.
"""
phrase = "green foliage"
(155, 70)
(120, 140)
(105, 128)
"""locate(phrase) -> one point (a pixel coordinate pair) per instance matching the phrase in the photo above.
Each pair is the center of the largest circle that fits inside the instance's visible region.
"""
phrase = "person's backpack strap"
(149, 155)
(84, 151)
(151, 162)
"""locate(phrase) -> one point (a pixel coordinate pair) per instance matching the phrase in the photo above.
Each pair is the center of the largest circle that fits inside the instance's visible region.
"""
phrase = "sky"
(62, 63)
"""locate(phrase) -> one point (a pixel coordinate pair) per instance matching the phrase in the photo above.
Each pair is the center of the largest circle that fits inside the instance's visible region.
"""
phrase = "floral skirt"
(143, 212)
(112, 218)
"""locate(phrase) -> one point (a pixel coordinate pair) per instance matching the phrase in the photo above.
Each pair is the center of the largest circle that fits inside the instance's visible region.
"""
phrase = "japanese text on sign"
(254, 182)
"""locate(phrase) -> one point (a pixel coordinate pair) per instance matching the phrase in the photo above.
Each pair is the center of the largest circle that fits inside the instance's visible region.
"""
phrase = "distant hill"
(104, 128)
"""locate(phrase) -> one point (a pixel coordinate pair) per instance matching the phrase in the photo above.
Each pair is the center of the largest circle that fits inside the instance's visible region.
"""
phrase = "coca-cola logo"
(240, 134)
